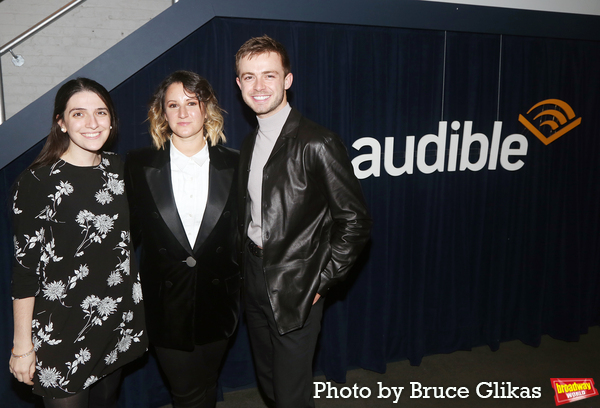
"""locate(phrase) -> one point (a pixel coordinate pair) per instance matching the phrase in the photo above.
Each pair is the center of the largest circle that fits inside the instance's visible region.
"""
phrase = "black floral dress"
(72, 252)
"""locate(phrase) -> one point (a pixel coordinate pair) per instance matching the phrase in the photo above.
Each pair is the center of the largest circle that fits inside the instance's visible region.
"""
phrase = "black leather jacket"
(314, 218)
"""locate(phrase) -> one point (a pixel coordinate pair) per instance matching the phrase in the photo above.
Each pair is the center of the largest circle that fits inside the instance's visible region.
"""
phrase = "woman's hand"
(22, 359)
(23, 368)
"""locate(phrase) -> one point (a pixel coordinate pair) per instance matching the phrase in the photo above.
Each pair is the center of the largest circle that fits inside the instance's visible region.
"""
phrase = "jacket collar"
(289, 131)
(291, 124)
(220, 179)
(158, 176)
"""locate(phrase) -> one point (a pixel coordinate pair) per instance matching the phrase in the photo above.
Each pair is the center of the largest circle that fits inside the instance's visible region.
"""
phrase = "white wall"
(562, 6)
(75, 39)
(67, 44)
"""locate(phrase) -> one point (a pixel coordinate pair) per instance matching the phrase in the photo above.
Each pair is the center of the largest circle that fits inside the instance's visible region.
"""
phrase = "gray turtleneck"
(269, 130)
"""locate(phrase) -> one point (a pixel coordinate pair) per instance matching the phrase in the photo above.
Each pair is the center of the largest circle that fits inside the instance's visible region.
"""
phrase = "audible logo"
(475, 150)
(469, 151)
(560, 121)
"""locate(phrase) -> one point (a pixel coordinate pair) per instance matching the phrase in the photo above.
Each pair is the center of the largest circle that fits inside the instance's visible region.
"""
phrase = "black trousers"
(283, 363)
(193, 375)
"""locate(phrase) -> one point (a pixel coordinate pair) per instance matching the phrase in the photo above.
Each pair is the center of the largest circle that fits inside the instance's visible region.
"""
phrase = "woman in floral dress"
(77, 298)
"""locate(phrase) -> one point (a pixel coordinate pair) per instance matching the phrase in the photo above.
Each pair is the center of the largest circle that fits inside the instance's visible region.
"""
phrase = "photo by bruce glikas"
(484, 390)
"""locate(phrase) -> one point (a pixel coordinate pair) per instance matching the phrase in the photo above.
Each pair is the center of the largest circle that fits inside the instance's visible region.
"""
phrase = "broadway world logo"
(572, 389)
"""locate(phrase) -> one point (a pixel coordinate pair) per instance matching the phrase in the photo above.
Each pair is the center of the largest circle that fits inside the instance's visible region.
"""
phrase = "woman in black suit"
(183, 210)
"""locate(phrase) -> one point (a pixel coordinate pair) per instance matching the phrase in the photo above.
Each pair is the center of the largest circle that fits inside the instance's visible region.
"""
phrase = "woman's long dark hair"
(58, 141)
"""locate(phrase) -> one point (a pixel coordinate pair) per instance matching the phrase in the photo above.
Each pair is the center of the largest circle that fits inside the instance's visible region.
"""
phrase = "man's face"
(263, 83)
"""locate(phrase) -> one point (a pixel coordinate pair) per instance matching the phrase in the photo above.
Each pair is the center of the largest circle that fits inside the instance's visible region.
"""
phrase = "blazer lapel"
(287, 132)
(244, 173)
(246, 158)
(220, 179)
(159, 182)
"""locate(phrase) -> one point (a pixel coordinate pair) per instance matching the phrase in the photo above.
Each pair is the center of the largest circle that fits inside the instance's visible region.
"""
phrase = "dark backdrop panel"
(457, 258)
(556, 223)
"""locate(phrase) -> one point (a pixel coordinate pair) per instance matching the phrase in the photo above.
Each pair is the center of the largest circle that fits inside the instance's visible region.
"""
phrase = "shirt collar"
(181, 160)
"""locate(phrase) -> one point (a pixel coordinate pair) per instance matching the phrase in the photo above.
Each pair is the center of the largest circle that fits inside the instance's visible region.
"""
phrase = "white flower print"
(115, 185)
(43, 335)
(37, 342)
(127, 316)
(15, 209)
(114, 279)
(46, 249)
(57, 290)
(39, 237)
(126, 340)
(82, 357)
(107, 306)
(82, 272)
(124, 266)
(44, 258)
(96, 311)
(48, 213)
(103, 197)
(90, 302)
(112, 184)
(49, 377)
(19, 253)
(125, 237)
(49, 253)
(124, 344)
(84, 216)
(76, 331)
(123, 248)
(54, 169)
(111, 357)
(91, 380)
(103, 223)
(64, 188)
(137, 293)
(54, 290)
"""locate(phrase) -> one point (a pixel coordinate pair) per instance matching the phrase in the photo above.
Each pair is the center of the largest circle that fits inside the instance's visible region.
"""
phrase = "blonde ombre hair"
(196, 85)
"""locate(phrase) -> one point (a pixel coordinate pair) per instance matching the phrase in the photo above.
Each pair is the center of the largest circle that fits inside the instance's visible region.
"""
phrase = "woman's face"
(184, 113)
(87, 122)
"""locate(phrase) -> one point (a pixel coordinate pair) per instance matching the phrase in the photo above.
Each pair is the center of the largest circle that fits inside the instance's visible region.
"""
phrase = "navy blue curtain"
(459, 257)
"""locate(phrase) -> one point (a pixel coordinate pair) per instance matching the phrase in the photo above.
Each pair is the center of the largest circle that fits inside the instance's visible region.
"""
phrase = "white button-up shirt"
(189, 177)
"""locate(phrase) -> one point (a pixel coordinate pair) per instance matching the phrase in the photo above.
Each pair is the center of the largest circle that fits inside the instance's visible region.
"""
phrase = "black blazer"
(191, 295)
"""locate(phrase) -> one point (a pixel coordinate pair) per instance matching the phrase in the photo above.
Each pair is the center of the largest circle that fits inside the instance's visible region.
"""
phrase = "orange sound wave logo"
(559, 116)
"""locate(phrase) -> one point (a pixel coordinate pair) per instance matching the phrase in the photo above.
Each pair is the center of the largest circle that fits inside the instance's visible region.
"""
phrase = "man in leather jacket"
(304, 216)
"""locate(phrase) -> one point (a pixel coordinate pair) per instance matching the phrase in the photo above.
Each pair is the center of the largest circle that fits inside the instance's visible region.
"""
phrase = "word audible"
(467, 152)
(475, 151)
(572, 389)
(502, 390)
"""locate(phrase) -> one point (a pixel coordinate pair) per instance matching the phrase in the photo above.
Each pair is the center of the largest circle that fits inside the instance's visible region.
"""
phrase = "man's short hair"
(261, 45)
